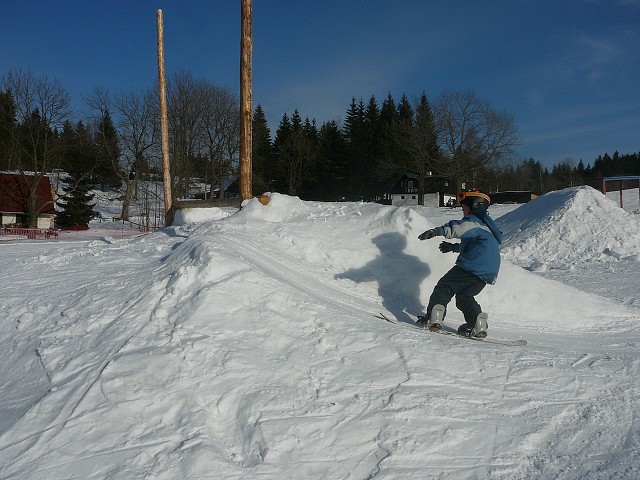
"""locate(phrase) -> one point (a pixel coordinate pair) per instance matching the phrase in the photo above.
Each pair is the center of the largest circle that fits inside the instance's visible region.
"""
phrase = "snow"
(570, 226)
(243, 344)
(579, 237)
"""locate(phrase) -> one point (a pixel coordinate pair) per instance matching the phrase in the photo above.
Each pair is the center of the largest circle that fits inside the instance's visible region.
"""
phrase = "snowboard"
(495, 341)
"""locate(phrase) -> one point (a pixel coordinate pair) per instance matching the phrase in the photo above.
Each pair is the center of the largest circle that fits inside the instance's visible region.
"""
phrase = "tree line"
(459, 137)
(456, 136)
(117, 144)
(530, 175)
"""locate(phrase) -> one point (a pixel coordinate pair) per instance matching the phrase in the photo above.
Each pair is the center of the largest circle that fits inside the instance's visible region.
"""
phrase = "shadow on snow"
(399, 276)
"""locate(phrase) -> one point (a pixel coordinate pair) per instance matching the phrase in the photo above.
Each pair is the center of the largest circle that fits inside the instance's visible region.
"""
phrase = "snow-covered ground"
(244, 345)
(582, 239)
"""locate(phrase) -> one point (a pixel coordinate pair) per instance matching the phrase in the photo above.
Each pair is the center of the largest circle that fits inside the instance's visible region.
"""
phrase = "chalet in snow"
(405, 191)
(15, 191)
(203, 191)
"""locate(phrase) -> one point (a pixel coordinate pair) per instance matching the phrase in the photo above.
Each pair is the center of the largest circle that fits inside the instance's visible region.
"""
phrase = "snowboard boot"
(480, 328)
(435, 321)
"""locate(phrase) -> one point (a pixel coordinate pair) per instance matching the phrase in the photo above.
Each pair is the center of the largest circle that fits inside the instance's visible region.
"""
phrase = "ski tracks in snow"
(243, 360)
(74, 351)
(298, 275)
(405, 379)
(323, 386)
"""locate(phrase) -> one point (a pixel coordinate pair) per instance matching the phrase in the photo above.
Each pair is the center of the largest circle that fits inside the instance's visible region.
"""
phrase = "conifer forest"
(114, 142)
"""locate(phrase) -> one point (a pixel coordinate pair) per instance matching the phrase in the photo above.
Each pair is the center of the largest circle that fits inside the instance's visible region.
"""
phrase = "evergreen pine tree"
(389, 128)
(313, 167)
(67, 140)
(75, 202)
(372, 127)
(283, 133)
(388, 113)
(296, 122)
(77, 209)
(372, 131)
(423, 140)
(405, 112)
(7, 129)
(580, 172)
(262, 156)
(333, 153)
(355, 134)
(295, 152)
(353, 121)
(107, 153)
(616, 164)
(392, 159)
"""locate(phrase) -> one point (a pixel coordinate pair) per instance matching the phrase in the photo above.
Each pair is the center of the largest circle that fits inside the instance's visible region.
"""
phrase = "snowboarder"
(478, 263)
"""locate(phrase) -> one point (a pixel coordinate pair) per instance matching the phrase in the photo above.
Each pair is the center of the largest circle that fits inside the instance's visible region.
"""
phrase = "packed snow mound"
(569, 226)
(195, 215)
(366, 247)
(329, 236)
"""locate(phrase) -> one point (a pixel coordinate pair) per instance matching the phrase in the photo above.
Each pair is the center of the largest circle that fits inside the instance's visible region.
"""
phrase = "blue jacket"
(479, 246)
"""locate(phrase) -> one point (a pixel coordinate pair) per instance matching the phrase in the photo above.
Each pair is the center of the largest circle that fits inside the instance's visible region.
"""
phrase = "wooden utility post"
(246, 110)
(162, 86)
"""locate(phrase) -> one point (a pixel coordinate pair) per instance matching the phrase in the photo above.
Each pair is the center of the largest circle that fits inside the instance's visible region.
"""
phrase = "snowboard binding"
(435, 321)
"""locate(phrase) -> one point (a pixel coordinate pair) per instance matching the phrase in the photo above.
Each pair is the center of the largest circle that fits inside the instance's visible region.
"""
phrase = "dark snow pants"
(464, 286)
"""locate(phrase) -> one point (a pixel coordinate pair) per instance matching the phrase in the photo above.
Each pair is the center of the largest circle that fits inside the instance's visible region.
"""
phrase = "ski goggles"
(474, 193)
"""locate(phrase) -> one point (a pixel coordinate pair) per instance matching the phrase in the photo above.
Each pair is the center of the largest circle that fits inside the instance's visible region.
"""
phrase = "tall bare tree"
(472, 134)
(222, 133)
(136, 120)
(139, 129)
(186, 106)
(41, 106)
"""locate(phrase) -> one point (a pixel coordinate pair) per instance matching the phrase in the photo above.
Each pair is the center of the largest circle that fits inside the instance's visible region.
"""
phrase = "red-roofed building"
(16, 202)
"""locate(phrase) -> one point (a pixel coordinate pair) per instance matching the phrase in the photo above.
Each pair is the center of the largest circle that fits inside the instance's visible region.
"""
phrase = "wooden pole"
(246, 109)
(620, 183)
(162, 86)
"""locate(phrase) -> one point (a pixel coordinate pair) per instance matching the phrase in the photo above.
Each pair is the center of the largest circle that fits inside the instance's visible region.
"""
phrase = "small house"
(405, 191)
(231, 188)
(15, 190)
(203, 190)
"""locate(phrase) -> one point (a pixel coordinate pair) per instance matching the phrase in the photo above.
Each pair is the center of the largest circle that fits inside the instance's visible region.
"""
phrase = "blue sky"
(568, 71)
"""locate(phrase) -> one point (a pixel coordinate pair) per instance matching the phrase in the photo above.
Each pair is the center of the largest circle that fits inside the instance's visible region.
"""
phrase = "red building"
(15, 200)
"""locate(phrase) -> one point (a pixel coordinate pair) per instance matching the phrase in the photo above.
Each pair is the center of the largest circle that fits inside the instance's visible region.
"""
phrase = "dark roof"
(15, 189)
(227, 183)
(624, 177)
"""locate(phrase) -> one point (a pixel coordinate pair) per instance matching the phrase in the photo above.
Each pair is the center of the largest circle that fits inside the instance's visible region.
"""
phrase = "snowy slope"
(244, 346)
